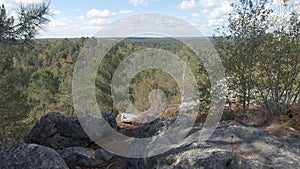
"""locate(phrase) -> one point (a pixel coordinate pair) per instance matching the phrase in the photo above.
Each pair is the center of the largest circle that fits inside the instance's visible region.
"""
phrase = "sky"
(82, 18)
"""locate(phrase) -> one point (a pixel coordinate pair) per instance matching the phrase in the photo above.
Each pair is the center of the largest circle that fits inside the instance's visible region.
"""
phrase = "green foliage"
(42, 91)
(5, 22)
(36, 78)
(13, 105)
(14, 79)
(150, 79)
(261, 52)
(247, 25)
(25, 27)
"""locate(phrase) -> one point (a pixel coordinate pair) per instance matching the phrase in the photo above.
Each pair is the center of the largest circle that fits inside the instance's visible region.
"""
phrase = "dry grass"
(170, 112)
(283, 125)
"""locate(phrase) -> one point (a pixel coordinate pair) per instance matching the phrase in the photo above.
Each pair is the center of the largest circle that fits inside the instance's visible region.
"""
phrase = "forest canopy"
(259, 48)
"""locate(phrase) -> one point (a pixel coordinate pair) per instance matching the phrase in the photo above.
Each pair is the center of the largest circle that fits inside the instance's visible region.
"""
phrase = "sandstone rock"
(31, 156)
(128, 118)
(143, 130)
(228, 147)
(57, 131)
(196, 158)
(85, 157)
(155, 127)
(253, 143)
(2, 147)
(110, 120)
(128, 127)
(293, 140)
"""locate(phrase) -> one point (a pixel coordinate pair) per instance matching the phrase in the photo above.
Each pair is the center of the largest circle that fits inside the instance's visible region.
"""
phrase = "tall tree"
(261, 52)
(13, 80)
(30, 18)
(247, 25)
(279, 61)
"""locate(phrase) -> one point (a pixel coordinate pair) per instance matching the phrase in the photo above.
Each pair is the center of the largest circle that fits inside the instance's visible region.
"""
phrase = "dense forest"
(259, 48)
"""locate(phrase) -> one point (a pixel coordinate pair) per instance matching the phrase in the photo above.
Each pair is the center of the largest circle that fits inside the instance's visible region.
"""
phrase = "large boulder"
(57, 131)
(30, 156)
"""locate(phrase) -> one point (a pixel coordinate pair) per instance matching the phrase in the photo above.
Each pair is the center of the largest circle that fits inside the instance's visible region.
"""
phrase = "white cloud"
(195, 15)
(221, 11)
(97, 22)
(202, 4)
(28, 1)
(60, 22)
(8, 3)
(77, 26)
(216, 15)
(14, 14)
(55, 23)
(64, 27)
(138, 2)
(205, 11)
(15, 3)
(55, 12)
(209, 14)
(216, 22)
(209, 3)
(77, 10)
(79, 17)
(125, 12)
(188, 5)
(95, 13)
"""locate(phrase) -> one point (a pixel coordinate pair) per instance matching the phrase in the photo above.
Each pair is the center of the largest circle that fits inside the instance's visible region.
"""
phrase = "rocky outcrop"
(196, 159)
(86, 157)
(230, 146)
(293, 140)
(2, 147)
(30, 156)
(57, 131)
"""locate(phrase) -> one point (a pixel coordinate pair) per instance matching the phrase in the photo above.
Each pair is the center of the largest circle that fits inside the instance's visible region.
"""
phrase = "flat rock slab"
(31, 156)
(228, 147)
